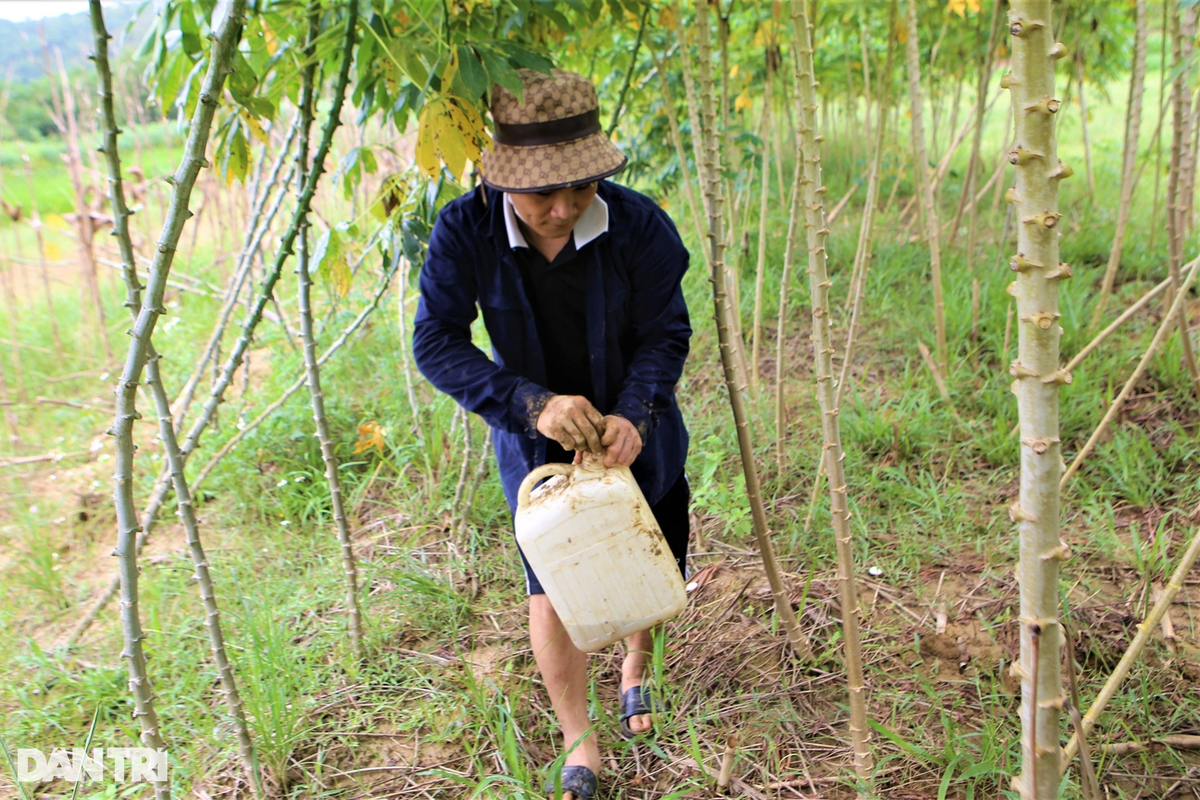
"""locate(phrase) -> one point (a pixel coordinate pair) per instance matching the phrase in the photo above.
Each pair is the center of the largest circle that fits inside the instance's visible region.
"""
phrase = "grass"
(449, 702)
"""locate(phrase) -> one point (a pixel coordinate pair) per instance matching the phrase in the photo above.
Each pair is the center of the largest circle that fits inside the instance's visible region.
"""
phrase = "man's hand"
(573, 422)
(622, 442)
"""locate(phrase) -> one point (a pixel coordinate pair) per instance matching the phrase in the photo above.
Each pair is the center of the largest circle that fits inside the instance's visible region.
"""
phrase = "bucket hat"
(552, 140)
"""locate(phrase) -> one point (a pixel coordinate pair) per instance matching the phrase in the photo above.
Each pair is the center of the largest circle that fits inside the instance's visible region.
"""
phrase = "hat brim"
(543, 168)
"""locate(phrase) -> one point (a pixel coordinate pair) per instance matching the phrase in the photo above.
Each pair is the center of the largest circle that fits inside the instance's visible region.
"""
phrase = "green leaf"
(526, 58)
(242, 81)
(369, 164)
(329, 261)
(239, 158)
(410, 62)
(190, 30)
(471, 73)
(502, 73)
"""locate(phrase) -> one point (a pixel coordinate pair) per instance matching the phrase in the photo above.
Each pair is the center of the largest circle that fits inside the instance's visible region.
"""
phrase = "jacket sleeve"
(659, 319)
(442, 344)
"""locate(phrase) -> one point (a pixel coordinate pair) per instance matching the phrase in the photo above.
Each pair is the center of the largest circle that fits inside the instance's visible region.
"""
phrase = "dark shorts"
(671, 513)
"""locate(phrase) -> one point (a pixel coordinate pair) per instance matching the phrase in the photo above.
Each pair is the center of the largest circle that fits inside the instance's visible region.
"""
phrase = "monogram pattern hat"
(553, 140)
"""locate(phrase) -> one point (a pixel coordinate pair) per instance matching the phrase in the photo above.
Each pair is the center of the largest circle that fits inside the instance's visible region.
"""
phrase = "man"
(579, 283)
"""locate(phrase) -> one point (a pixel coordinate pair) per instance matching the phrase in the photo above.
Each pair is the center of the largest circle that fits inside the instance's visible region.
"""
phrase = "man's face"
(552, 215)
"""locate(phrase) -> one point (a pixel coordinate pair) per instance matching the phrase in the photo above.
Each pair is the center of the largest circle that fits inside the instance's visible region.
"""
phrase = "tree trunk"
(713, 188)
(819, 283)
(924, 185)
(1133, 123)
(1038, 377)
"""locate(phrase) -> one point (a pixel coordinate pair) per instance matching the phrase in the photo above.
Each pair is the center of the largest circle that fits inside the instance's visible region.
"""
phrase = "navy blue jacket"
(637, 330)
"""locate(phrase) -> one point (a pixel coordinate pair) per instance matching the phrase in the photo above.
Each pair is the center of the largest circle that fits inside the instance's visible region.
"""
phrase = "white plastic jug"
(598, 552)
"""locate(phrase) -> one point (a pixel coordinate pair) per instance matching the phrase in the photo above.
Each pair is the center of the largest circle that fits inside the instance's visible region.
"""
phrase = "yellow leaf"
(451, 130)
(370, 434)
(901, 33)
(426, 152)
(341, 276)
(57, 224)
(667, 18)
(255, 127)
(957, 6)
(53, 252)
(973, 6)
(733, 71)
(743, 102)
(269, 38)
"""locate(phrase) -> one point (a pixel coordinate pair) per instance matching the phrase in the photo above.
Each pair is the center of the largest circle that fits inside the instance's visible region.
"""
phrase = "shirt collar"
(589, 227)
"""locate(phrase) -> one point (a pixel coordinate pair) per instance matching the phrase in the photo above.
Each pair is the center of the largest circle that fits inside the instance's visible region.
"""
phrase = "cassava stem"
(224, 43)
(809, 154)
(304, 285)
(1038, 378)
(925, 186)
(714, 190)
(1133, 122)
(1144, 631)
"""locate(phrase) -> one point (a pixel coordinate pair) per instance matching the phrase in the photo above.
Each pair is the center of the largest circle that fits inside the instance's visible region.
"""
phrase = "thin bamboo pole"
(819, 283)
(304, 285)
(1133, 123)
(714, 189)
(1144, 631)
(1038, 377)
(224, 43)
(924, 186)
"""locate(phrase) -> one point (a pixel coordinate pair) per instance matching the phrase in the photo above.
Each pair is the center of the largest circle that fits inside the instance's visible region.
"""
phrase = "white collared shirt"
(593, 223)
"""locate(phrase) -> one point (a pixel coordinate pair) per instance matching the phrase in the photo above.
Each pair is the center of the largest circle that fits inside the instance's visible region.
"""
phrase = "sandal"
(578, 780)
(636, 701)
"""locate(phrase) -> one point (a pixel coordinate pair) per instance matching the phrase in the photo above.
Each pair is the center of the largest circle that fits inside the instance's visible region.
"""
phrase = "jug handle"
(544, 471)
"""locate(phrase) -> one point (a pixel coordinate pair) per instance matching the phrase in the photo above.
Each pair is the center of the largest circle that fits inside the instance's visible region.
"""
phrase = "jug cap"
(592, 462)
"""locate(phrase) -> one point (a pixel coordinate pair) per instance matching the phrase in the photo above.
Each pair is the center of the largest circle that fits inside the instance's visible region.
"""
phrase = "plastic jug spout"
(592, 463)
